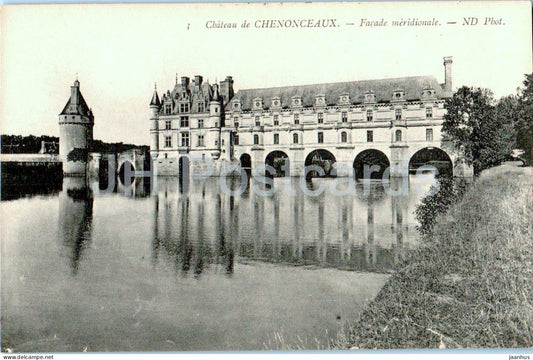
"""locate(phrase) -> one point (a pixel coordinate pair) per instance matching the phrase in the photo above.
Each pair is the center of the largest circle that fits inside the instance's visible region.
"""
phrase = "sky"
(118, 52)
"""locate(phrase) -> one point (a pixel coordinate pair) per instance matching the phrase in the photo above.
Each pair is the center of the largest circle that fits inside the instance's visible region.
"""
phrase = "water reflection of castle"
(205, 226)
(201, 228)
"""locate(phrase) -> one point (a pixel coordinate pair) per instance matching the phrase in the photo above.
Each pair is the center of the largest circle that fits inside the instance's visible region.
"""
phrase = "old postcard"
(266, 176)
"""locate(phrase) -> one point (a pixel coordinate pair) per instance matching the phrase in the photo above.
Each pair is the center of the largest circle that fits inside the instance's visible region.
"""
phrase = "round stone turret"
(76, 123)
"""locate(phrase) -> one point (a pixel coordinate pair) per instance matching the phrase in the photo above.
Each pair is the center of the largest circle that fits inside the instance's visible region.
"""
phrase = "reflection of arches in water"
(321, 158)
(368, 158)
(432, 156)
(280, 162)
(184, 166)
(124, 168)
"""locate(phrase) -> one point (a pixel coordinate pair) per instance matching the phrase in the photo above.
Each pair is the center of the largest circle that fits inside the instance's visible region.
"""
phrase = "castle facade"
(350, 123)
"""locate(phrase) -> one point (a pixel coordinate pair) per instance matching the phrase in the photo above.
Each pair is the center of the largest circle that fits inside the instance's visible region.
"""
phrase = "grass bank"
(470, 284)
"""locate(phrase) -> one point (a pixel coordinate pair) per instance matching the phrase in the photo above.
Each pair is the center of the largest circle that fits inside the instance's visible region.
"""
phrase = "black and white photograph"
(268, 177)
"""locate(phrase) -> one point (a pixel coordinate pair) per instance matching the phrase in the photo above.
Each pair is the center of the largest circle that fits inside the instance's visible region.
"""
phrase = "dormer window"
(320, 100)
(344, 98)
(258, 103)
(296, 101)
(370, 97)
(201, 107)
(184, 108)
(398, 95)
(168, 109)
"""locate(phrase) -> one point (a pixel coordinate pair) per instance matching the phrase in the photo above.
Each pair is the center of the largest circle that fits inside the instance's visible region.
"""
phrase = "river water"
(195, 268)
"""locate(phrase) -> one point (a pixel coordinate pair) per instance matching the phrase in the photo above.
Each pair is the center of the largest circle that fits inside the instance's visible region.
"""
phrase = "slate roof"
(155, 99)
(81, 109)
(382, 88)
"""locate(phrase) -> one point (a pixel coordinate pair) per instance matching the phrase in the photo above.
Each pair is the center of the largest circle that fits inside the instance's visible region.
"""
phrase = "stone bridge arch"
(376, 161)
(323, 158)
(280, 161)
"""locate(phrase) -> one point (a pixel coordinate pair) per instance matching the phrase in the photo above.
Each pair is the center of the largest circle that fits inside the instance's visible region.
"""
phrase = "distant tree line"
(487, 132)
(31, 144)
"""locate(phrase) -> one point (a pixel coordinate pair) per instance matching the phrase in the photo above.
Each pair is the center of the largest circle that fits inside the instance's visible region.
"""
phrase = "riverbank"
(470, 284)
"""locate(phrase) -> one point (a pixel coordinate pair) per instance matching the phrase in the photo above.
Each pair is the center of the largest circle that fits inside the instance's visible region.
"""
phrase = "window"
(369, 115)
(168, 141)
(369, 136)
(320, 117)
(320, 137)
(429, 113)
(429, 134)
(201, 140)
(201, 107)
(168, 124)
(236, 139)
(398, 113)
(257, 121)
(398, 135)
(216, 142)
(184, 108)
(295, 138)
(184, 139)
(168, 109)
(344, 137)
(276, 119)
(296, 118)
(184, 121)
(256, 139)
(276, 138)
(200, 123)
(236, 122)
(344, 116)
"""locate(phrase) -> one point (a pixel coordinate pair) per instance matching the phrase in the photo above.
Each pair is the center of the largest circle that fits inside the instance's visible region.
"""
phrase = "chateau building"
(342, 125)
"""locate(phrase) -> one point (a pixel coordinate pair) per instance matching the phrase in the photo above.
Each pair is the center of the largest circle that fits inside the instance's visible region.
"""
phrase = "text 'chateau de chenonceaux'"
(341, 127)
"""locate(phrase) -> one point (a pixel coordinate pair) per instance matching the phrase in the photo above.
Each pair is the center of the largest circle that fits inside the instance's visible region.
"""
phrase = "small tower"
(76, 123)
(215, 117)
(155, 106)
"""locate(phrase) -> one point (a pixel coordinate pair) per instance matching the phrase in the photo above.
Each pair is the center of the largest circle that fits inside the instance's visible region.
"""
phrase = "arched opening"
(375, 163)
(321, 158)
(431, 156)
(126, 168)
(344, 137)
(398, 136)
(280, 162)
(246, 161)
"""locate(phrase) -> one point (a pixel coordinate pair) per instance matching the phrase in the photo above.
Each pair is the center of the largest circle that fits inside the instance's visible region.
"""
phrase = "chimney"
(198, 80)
(185, 82)
(226, 89)
(448, 73)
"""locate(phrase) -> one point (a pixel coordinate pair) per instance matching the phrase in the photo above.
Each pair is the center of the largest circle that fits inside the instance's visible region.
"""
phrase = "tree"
(524, 122)
(472, 125)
